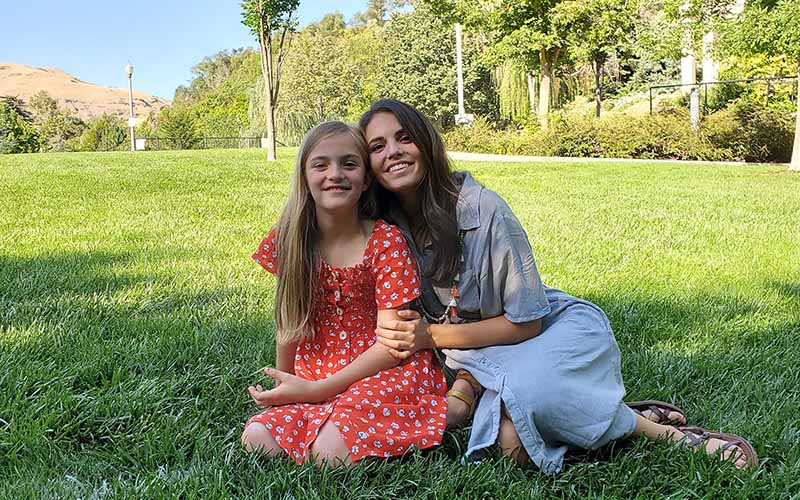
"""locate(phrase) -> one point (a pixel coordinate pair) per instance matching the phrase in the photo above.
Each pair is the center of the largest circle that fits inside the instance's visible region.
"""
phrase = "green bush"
(753, 133)
(742, 132)
(107, 133)
(17, 135)
(179, 123)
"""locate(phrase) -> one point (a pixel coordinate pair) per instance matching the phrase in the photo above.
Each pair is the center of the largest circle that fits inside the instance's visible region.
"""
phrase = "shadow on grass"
(160, 379)
(789, 289)
(96, 358)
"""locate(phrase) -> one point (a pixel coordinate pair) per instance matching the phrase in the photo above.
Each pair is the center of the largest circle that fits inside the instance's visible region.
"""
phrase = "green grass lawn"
(131, 316)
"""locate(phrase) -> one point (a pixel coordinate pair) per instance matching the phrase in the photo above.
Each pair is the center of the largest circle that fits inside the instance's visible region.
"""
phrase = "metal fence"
(165, 143)
(770, 82)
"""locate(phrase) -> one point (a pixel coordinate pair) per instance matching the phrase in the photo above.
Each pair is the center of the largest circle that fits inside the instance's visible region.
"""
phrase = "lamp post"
(462, 118)
(131, 120)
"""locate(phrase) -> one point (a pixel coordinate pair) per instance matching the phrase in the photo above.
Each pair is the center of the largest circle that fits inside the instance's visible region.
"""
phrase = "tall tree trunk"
(795, 165)
(532, 92)
(555, 93)
(598, 82)
(545, 84)
(269, 106)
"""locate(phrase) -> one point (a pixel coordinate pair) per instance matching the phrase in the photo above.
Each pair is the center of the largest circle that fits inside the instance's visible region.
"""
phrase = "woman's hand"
(407, 336)
(288, 389)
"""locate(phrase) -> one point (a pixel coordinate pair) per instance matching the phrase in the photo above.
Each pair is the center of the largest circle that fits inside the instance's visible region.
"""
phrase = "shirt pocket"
(469, 296)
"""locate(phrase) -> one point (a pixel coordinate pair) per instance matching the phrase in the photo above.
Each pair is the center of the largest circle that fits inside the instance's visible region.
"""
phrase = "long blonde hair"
(297, 237)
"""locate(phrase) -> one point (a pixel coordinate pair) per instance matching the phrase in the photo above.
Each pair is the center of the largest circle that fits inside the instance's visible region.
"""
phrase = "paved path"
(457, 155)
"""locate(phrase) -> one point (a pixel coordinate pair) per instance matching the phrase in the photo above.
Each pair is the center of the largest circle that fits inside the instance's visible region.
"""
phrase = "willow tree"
(518, 30)
(272, 22)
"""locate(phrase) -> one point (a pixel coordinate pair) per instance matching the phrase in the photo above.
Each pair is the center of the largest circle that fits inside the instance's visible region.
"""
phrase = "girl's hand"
(288, 389)
(404, 338)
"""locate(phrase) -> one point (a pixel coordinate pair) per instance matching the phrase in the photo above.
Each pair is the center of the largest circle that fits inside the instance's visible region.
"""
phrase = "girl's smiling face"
(394, 158)
(336, 174)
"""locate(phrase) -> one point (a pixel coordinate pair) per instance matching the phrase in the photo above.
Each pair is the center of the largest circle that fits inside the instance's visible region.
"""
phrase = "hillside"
(86, 100)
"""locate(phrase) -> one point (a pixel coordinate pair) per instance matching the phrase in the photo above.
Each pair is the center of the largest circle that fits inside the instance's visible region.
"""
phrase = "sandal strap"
(731, 444)
(694, 439)
(477, 388)
(662, 417)
(467, 399)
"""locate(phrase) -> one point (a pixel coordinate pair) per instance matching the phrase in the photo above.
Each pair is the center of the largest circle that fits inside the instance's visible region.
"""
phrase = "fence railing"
(162, 143)
(770, 82)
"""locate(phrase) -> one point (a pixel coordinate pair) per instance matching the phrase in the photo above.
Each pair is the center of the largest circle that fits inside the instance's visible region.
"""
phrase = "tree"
(106, 133)
(17, 135)
(57, 128)
(772, 28)
(594, 29)
(419, 67)
(272, 23)
(321, 78)
(178, 123)
(519, 30)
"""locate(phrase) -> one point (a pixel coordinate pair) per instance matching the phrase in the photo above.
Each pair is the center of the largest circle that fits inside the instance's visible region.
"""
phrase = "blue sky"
(94, 40)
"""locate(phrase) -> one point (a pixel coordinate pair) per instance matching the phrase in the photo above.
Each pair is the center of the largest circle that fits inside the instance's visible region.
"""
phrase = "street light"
(131, 120)
(462, 118)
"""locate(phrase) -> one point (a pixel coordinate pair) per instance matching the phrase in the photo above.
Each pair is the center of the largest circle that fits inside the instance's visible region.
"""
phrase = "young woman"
(547, 361)
(342, 395)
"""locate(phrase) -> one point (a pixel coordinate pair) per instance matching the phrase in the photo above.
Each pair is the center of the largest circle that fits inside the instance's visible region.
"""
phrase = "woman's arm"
(411, 333)
(293, 389)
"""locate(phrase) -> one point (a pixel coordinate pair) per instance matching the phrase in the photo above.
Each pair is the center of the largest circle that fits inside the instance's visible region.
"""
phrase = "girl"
(343, 396)
(548, 361)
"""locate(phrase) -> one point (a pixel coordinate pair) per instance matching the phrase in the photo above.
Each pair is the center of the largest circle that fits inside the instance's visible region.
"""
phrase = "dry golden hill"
(86, 100)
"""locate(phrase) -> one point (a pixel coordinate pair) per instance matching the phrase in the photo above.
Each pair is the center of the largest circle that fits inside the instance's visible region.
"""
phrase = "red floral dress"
(388, 413)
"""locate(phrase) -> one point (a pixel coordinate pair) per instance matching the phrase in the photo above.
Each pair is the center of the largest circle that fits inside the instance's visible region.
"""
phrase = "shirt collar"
(468, 206)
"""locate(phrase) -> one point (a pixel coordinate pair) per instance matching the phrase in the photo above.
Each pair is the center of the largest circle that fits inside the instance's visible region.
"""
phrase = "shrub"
(17, 135)
(179, 123)
(107, 133)
(753, 133)
(744, 132)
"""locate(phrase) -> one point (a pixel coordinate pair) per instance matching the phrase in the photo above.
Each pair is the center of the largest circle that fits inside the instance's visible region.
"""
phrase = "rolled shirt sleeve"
(509, 279)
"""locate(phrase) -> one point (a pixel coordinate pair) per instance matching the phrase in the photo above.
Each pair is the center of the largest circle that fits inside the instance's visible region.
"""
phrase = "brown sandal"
(477, 390)
(660, 409)
(696, 436)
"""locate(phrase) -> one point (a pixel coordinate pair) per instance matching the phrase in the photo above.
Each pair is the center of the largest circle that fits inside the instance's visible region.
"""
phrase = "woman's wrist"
(432, 330)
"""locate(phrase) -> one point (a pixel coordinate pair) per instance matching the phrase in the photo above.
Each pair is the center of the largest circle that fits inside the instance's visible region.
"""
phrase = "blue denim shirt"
(498, 275)
(563, 388)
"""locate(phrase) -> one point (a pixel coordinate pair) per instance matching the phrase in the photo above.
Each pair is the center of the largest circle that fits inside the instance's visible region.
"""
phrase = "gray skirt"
(563, 388)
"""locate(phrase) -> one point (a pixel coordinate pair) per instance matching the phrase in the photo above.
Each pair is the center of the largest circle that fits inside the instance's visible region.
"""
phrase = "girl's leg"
(653, 431)
(459, 410)
(509, 442)
(330, 447)
(256, 438)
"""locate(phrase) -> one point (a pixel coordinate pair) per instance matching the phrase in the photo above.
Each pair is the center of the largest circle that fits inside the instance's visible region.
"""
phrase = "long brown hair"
(297, 238)
(438, 190)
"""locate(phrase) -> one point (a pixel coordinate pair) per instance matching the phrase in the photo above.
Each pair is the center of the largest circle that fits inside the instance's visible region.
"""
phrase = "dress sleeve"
(267, 253)
(513, 271)
(394, 269)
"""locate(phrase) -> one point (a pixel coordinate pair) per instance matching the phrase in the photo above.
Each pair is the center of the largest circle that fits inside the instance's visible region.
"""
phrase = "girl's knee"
(329, 447)
(256, 437)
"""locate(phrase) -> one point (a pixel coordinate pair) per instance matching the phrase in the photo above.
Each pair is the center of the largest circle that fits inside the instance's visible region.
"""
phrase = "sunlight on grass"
(131, 318)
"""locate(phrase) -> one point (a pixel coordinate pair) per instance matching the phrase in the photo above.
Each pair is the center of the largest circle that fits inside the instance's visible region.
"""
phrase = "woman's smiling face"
(395, 160)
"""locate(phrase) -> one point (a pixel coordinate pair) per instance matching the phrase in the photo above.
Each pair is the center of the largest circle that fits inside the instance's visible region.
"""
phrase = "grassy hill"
(131, 316)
